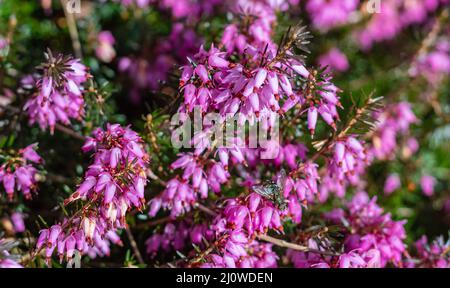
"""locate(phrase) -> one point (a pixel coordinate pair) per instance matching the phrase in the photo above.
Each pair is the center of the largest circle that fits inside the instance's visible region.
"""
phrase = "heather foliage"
(314, 134)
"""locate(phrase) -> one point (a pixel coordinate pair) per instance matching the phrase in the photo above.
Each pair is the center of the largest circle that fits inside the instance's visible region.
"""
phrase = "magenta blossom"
(114, 183)
(370, 229)
(60, 92)
(105, 46)
(19, 172)
(332, 13)
(18, 223)
(335, 60)
(392, 183)
(427, 183)
(430, 255)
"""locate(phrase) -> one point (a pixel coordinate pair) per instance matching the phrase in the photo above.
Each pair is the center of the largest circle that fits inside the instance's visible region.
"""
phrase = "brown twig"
(134, 246)
(431, 37)
(293, 246)
(69, 132)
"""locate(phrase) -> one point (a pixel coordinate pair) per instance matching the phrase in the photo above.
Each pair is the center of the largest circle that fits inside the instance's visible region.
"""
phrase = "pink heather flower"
(252, 213)
(430, 255)
(114, 183)
(352, 259)
(235, 228)
(393, 17)
(434, 65)
(344, 168)
(190, 9)
(256, 255)
(392, 183)
(394, 121)
(332, 13)
(427, 183)
(410, 148)
(216, 82)
(176, 237)
(29, 153)
(259, 30)
(196, 180)
(257, 92)
(18, 172)
(18, 223)
(60, 92)
(240, 220)
(105, 46)
(118, 150)
(312, 120)
(87, 236)
(334, 59)
(290, 154)
(370, 229)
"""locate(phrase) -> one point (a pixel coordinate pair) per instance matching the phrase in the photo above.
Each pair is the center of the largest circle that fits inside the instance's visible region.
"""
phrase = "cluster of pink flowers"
(175, 237)
(369, 228)
(352, 259)
(373, 239)
(259, 85)
(430, 255)
(326, 14)
(254, 255)
(345, 168)
(395, 16)
(394, 121)
(88, 236)
(427, 183)
(179, 9)
(352, 156)
(240, 221)
(118, 173)
(335, 60)
(434, 65)
(182, 192)
(190, 8)
(113, 184)
(18, 172)
(392, 183)
(258, 33)
(60, 92)
(290, 154)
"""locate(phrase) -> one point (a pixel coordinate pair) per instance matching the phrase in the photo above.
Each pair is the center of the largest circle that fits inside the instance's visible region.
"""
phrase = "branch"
(431, 37)
(276, 241)
(69, 132)
(285, 244)
(134, 246)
